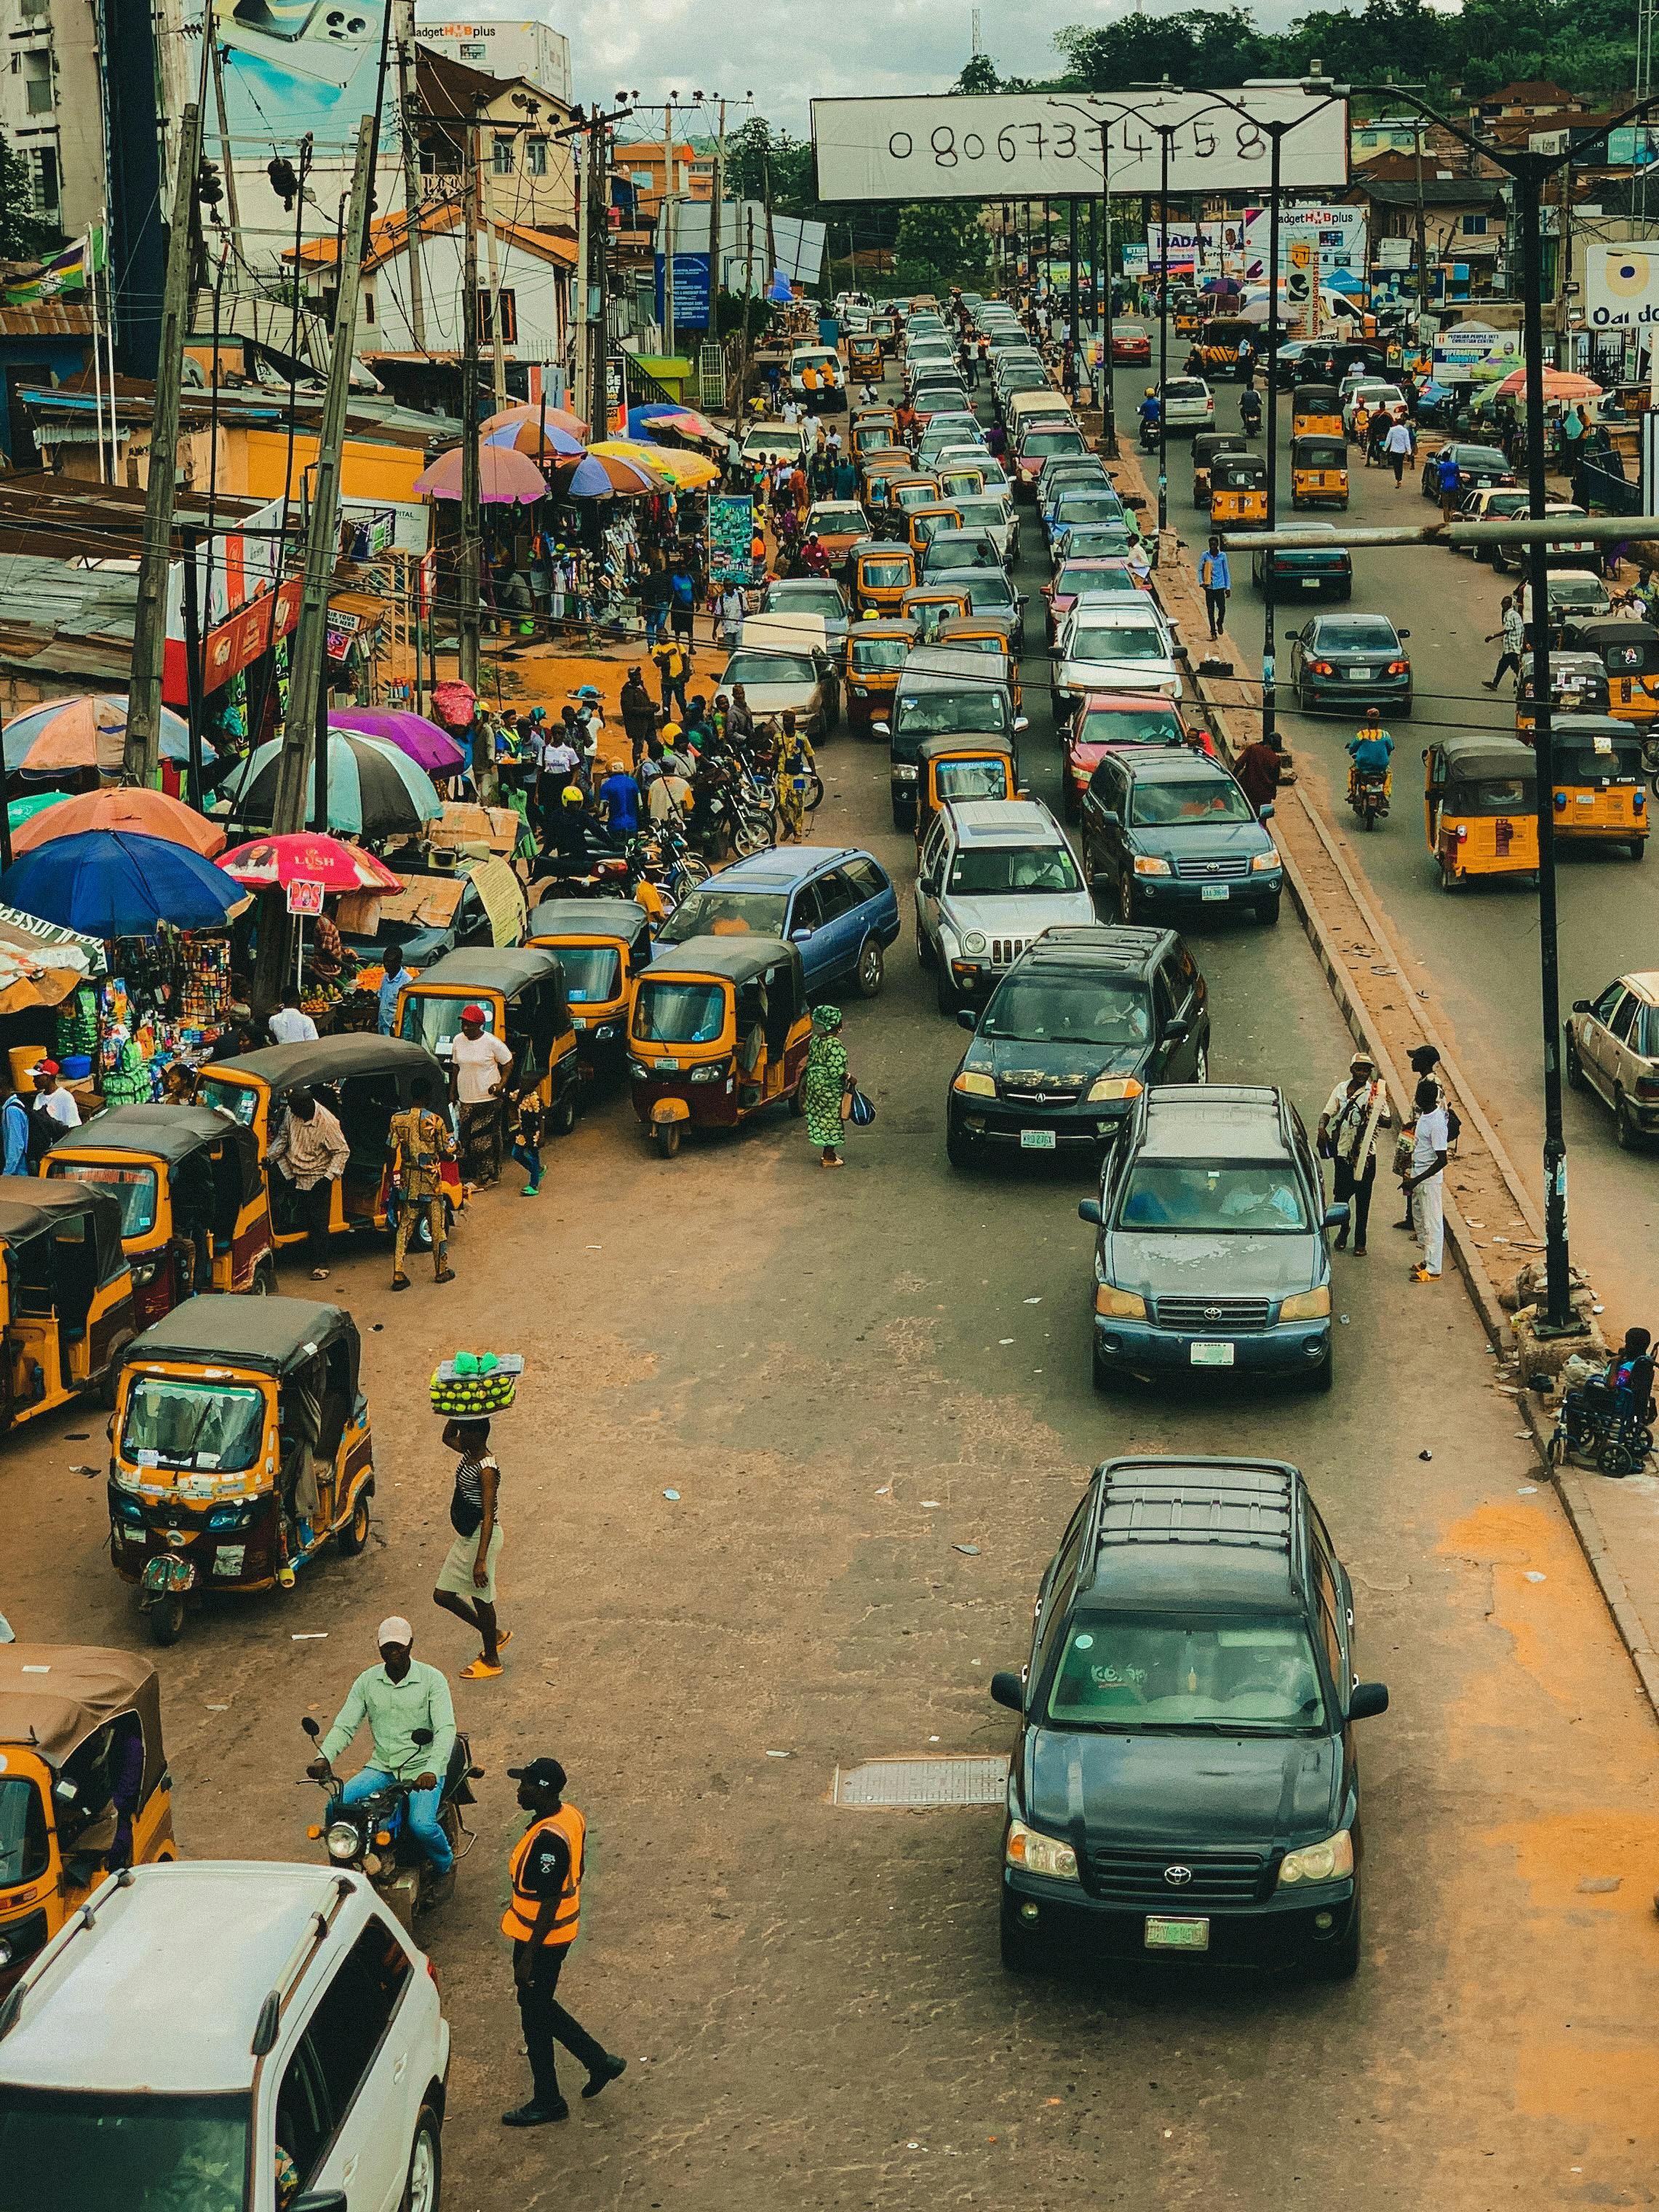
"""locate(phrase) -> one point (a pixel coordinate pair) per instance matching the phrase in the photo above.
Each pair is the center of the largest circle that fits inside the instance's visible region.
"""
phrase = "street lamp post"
(1101, 281)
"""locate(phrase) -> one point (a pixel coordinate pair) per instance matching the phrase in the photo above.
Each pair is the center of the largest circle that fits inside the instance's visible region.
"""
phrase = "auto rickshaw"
(1315, 411)
(991, 636)
(960, 483)
(864, 356)
(1629, 653)
(1219, 340)
(1238, 491)
(1184, 312)
(602, 946)
(877, 434)
(884, 328)
(241, 1444)
(1480, 807)
(522, 994)
(923, 522)
(194, 1212)
(363, 1080)
(80, 1758)
(1319, 471)
(1578, 685)
(1205, 445)
(876, 651)
(927, 606)
(720, 1029)
(1595, 776)
(68, 1294)
(949, 769)
(882, 573)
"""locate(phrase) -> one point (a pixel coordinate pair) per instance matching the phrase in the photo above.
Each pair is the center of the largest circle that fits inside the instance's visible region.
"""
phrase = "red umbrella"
(306, 857)
(150, 814)
(556, 418)
(504, 477)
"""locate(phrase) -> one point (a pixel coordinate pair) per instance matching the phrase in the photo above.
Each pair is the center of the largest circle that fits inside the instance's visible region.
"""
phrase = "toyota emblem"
(1211, 1313)
(1178, 1876)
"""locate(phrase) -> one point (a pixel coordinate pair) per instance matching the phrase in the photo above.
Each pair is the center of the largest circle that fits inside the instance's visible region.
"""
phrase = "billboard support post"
(472, 548)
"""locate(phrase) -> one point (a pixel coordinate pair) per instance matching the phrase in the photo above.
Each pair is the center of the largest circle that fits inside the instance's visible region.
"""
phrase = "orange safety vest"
(518, 1921)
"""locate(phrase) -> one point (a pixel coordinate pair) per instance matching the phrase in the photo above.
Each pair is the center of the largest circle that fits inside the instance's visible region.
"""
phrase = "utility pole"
(407, 108)
(665, 225)
(598, 239)
(771, 241)
(311, 632)
(471, 534)
(217, 60)
(497, 344)
(142, 753)
(717, 209)
(1422, 240)
(580, 361)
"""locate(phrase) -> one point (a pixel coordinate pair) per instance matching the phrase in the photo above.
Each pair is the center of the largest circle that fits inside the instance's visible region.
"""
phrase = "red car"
(1096, 572)
(1041, 439)
(1130, 343)
(1104, 719)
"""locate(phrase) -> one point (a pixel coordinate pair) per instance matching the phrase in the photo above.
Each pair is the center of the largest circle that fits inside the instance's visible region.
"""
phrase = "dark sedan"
(1479, 468)
(1302, 571)
(1341, 661)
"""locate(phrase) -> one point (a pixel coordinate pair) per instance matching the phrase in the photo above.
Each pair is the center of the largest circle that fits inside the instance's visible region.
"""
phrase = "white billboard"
(991, 146)
(1621, 285)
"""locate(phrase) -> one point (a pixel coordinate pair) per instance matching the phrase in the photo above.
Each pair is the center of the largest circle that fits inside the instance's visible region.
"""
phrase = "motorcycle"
(1249, 416)
(1368, 795)
(372, 1837)
(1148, 434)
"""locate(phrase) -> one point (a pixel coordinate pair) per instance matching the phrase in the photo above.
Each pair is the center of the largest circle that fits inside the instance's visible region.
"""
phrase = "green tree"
(979, 74)
(943, 242)
(23, 235)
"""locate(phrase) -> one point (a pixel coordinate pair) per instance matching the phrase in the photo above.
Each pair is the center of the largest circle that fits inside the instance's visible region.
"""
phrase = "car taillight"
(1397, 667)
(1647, 1086)
(1323, 668)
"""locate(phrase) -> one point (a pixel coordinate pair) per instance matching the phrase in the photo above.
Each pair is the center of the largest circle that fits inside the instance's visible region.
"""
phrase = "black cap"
(540, 1774)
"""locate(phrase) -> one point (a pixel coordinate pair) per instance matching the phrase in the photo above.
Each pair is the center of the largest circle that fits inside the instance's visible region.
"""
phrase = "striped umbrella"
(597, 475)
(528, 437)
(505, 478)
(373, 790)
(64, 735)
(556, 418)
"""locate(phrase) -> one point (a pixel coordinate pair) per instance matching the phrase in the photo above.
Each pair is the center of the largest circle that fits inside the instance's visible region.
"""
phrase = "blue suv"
(835, 904)
(1168, 833)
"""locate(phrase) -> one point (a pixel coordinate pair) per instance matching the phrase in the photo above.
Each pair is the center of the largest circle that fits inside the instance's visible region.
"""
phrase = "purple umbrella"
(430, 747)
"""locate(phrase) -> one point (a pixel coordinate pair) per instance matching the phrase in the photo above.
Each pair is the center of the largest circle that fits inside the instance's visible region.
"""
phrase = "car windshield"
(434, 1018)
(1087, 506)
(1091, 537)
(726, 913)
(239, 1100)
(1570, 590)
(959, 554)
(1208, 799)
(591, 971)
(134, 1186)
(916, 494)
(1482, 457)
(1107, 1010)
(1119, 726)
(25, 1853)
(1212, 1197)
(1050, 442)
(1185, 387)
(873, 654)
(1105, 576)
(1026, 870)
(679, 1013)
(1255, 1675)
(838, 518)
(982, 507)
(971, 779)
(987, 588)
(1490, 794)
(212, 1427)
(102, 2153)
(1355, 637)
(823, 599)
(762, 668)
(1118, 642)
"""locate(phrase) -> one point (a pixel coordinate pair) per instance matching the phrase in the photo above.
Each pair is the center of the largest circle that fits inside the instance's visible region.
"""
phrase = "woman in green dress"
(824, 1087)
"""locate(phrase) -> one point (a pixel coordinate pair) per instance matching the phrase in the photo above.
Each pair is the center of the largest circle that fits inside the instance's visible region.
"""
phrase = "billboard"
(292, 66)
(1621, 285)
(990, 146)
(690, 291)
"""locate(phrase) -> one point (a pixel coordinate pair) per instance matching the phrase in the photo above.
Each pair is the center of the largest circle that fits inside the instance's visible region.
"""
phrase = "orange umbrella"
(1558, 384)
(555, 418)
(150, 814)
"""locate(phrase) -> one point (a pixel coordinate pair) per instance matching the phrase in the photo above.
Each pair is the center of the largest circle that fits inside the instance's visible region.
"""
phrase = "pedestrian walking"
(476, 1061)
(541, 1920)
(673, 665)
(311, 1151)
(467, 1581)
(1425, 1187)
(1354, 1114)
(1217, 578)
(732, 607)
(394, 977)
(796, 763)
(825, 1085)
(1512, 632)
(1257, 769)
(1397, 445)
(639, 715)
(420, 1143)
(1447, 489)
(529, 1126)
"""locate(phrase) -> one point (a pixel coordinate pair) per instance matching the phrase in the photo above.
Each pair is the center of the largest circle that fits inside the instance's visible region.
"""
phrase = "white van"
(772, 442)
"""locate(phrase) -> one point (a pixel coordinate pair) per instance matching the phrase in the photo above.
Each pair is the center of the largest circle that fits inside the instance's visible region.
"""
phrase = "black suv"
(1071, 1036)
(1210, 1250)
(1184, 1780)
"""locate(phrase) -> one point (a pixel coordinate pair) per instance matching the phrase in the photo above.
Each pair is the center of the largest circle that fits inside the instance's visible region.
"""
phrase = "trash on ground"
(969, 1551)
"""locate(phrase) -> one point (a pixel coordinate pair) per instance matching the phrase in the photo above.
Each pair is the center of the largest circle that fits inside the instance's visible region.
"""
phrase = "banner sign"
(1237, 245)
(690, 291)
(731, 533)
(1020, 145)
(1621, 285)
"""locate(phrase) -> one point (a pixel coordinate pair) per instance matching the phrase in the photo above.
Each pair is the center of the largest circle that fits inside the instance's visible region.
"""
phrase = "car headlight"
(1039, 1854)
(344, 1842)
(638, 1070)
(1328, 1862)
(1114, 1304)
(1261, 861)
(605, 1032)
(973, 942)
(1307, 1305)
(975, 1084)
(1148, 863)
(1113, 1086)
(902, 773)
(716, 1072)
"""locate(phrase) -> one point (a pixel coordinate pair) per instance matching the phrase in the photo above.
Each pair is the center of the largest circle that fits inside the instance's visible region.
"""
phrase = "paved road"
(845, 1382)
(1476, 954)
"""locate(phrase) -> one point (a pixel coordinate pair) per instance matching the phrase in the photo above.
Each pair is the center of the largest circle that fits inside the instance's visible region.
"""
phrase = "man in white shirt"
(50, 1099)
(1397, 447)
(478, 1066)
(288, 1025)
(1425, 1185)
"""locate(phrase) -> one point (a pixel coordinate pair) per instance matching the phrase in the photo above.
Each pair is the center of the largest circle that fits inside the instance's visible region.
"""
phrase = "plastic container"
(75, 1067)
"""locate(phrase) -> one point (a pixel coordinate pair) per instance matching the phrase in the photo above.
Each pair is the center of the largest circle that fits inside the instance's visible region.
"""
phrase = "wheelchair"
(1611, 1424)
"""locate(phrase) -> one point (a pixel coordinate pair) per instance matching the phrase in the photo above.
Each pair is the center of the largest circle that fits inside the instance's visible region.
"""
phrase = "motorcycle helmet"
(1152, 392)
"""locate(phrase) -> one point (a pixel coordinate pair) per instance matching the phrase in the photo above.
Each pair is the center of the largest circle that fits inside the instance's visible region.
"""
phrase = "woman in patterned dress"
(824, 1087)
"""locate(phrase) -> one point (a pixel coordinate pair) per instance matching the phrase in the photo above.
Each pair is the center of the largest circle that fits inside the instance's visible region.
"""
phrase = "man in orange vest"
(546, 1873)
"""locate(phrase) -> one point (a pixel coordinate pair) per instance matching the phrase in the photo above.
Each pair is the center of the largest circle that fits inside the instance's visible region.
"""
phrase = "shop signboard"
(690, 291)
(1621, 285)
(731, 532)
(305, 897)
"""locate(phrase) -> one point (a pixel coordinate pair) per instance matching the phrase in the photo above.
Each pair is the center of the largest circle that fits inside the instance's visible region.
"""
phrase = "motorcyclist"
(399, 1696)
(1250, 410)
(1370, 749)
(1149, 415)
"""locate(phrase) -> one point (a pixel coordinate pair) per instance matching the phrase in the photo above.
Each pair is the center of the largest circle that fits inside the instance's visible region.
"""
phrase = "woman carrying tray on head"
(467, 1581)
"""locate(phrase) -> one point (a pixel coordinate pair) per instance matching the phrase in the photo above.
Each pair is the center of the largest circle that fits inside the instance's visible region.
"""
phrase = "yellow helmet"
(1152, 392)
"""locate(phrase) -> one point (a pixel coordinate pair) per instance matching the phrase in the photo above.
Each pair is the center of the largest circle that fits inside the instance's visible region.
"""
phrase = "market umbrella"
(428, 745)
(684, 471)
(596, 476)
(373, 790)
(1558, 384)
(147, 813)
(529, 437)
(20, 810)
(659, 415)
(504, 477)
(63, 735)
(556, 418)
(304, 857)
(111, 882)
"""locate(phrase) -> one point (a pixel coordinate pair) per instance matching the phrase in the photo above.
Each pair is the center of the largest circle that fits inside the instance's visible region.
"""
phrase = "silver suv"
(994, 875)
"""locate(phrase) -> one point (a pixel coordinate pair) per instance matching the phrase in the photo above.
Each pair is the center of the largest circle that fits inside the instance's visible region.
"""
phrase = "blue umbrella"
(114, 883)
(637, 417)
(587, 480)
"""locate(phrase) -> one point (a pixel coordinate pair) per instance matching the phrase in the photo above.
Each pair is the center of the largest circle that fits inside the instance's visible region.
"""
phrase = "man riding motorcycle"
(395, 1697)
(1149, 417)
(1250, 411)
(1370, 749)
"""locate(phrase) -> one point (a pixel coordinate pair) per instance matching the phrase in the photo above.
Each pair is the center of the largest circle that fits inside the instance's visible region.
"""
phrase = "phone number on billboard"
(1060, 141)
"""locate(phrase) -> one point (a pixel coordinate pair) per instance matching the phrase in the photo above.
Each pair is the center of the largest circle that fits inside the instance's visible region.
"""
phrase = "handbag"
(860, 1108)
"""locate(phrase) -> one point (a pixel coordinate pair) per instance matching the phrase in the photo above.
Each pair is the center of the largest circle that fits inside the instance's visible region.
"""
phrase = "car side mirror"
(1088, 1209)
(1402, 634)
(1021, 722)
(1365, 1700)
(798, 936)
(1336, 1217)
(882, 729)
(1176, 1030)
(1290, 636)
(1582, 1006)
(1007, 1689)
(967, 1019)
(1108, 814)
(1267, 812)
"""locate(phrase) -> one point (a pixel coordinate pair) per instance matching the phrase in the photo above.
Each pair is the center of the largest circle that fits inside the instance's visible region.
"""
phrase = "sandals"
(400, 1282)
(481, 1670)
(444, 1275)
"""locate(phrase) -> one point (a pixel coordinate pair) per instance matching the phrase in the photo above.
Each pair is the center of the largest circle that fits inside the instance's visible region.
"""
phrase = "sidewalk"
(1492, 1227)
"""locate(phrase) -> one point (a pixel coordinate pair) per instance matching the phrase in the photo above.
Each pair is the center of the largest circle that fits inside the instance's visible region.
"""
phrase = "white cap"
(396, 1629)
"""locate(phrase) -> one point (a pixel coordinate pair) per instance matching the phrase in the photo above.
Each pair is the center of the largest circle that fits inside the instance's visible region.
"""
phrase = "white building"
(502, 37)
(52, 106)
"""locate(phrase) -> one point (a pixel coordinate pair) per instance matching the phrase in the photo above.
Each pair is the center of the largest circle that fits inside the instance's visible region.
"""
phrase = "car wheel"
(166, 1619)
(1128, 910)
(1268, 910)
(1304, 704)
(351, 1539)
(1625, 1126)
(960, 1149)
(1322, 1376)
(1202, 1062)
(925, 954)
(1022, 1950)
(867, 976)
(1342, 1962)
(1103, 1374)
(424, 2185)
(945, 990)
(1577, 1080)
(1638, 847)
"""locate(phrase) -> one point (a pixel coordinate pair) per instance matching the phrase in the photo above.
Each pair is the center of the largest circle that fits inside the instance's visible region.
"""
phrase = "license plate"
(1177, 1934)
(1213, 892)
(1359, 676)
(1212, 1354)
(1036, 1140)
(1310, 583)
(669, 1066)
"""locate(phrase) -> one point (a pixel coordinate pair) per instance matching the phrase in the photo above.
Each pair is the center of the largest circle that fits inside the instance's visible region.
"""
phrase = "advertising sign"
(731, 533)
(315, 67)
(690, 291)
(1475, 353)
(1394, 253)
(1621, 285)
(1339, 231)
(305, 897)
(1015, 145)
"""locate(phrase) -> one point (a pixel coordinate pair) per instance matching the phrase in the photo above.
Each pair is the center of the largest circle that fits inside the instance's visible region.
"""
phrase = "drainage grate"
(899, 1784)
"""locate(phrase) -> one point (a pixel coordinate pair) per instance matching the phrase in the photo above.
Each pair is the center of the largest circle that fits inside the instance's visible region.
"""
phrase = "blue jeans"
(656, 622)
(422, 1814)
